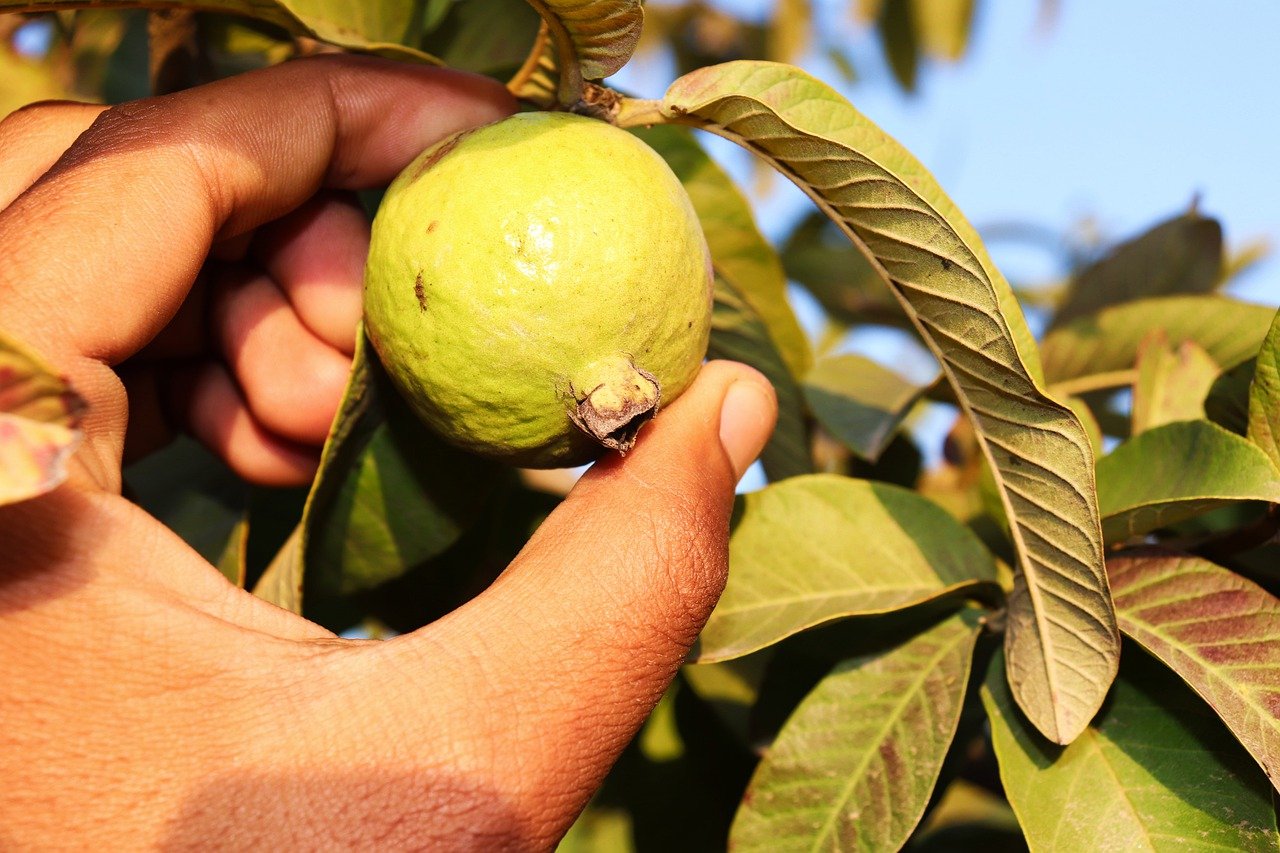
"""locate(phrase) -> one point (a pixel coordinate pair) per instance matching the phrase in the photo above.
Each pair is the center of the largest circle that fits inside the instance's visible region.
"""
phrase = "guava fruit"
(538, 287)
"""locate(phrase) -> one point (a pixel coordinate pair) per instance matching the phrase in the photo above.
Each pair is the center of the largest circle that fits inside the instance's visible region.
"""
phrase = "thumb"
(584, 631)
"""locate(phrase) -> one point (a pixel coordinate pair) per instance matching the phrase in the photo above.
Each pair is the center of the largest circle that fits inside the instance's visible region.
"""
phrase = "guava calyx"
(616, 399)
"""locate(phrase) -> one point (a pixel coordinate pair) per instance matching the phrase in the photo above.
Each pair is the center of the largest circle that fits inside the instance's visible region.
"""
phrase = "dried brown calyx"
(614, 402)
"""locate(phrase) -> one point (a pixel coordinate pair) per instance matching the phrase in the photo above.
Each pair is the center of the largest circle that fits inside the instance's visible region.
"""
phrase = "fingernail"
(746, 420)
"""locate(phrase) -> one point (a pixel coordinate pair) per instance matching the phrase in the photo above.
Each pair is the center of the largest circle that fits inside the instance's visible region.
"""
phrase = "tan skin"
(193, 262)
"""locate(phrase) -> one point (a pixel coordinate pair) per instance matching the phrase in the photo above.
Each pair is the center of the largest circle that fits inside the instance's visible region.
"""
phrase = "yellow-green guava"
(536, 288)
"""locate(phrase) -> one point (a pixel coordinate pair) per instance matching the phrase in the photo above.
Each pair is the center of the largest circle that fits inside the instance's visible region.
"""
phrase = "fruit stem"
(638, 112)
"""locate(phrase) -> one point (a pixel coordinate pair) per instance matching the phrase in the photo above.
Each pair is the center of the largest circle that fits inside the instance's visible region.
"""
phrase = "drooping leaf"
(1180, 255)
(39, 423)
(1062, 639)
(738, 333)
(378, 26)
(1178, 471)
(790, 31)
(1099, 351)
(1264, 396)
(741, 254)
(594, 38)
(859, 402)
(389, 493)
(1219, 632)
(856, 763)
(1172, 382)
(812, 549)
(1155, 771)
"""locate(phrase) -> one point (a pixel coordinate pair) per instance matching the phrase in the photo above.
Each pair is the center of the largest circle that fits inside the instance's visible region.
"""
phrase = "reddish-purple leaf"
(1218, 631)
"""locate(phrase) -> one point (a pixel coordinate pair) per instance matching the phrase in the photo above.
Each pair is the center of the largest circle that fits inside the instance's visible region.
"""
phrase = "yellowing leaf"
(1062, 641)
(39, 424)
(1100, 350)
(1172, 383)
(856, 763)
(378, 26)
(813, 549)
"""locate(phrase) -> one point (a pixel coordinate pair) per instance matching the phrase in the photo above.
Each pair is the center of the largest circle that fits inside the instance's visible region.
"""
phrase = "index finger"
(100, 252)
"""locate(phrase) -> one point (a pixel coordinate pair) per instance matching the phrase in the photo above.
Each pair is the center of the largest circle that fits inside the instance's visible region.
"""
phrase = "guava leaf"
(1155, 771)
(1099, 351)
(389, 493)
(486, 36)
(838, 275)
(600, 35)
(856, 763)
(1227, 403)
(813, 549)
(385, 27)
(738, 333)
(1264, 396)
(859, 402)
(741, 254)
(1219, 632)
(1171, 383)
(1062, 641)
(281, 583)
(39, 424)
(1178, 471)
(944, 26)
(231, 562)
(537, 81)
(1180, 255)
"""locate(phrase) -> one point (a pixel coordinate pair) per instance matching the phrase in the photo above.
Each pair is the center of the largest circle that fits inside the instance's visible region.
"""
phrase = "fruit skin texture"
(534, 281)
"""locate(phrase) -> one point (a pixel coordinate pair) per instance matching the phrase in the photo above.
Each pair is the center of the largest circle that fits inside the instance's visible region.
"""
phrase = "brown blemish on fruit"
(432, 226)
(420, 291)
(442, 150)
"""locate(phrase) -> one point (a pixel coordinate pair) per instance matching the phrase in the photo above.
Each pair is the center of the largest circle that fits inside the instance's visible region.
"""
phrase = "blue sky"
(1116, 115)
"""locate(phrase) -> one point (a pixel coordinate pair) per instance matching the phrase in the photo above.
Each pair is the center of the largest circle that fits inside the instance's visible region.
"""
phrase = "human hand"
(199, 248)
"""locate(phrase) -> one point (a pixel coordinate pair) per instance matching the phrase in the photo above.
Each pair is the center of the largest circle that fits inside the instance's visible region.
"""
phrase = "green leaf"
(379, 26)
(281, 583)
(389, 494)
(1264, 396)
(813, 549)
(738, 333)
(900, 39)
(739, 251)
(1227, 403)
(1180, 255)
(231, 562)
(490, 37)
(1219, 632)
(1099, 351)
(1155, 771)
(39, 423)
(819, 257)
(1172, 383)
(1178, 471)
(859, 402)
(1062, 639)
(856, 763)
